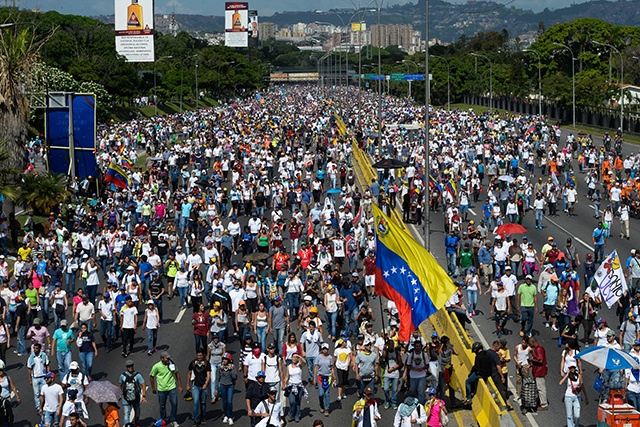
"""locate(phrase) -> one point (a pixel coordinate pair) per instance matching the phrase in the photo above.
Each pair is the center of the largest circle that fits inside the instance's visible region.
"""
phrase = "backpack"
(131, 387)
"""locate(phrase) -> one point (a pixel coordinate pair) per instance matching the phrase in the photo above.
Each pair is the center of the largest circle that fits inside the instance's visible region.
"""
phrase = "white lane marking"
(179, 318)
(473, 212)
(577, 239)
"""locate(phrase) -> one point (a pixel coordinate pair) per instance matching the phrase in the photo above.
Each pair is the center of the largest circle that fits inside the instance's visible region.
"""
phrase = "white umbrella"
(608, 358)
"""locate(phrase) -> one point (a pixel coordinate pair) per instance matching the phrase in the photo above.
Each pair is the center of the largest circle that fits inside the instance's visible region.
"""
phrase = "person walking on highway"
(539, 370)
(199, 378)
(166, 383)
(134, 392)
(574, 393)
(599, 240)
(528, 302)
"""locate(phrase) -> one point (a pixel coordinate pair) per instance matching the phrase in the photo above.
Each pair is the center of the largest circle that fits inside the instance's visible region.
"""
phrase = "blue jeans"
(173, 401)
(293, 300)
(182, 291)
(598, 251)
(152, 338)
(226, 394)
(332, 319)
(201, 342)
(391, 391)
(526, 319)
(311, 362)
(451, 262)
(50, 418)
(471, 384)
(126, 411)
(294, 405)
(418, 386)
(91, 292)
(364, 383)
(64, 360)
(86, 359)
(22, 340)
(352, 325)
(37, 384)
(107, 331)
(46, 306)
(572, 405)
(262, 337)
(279, 337)
(199, 395)
(472, 301)
(158, 303)
(71, 282)
(633, 398)
(215, 370)
(539, 216)
(324, 397)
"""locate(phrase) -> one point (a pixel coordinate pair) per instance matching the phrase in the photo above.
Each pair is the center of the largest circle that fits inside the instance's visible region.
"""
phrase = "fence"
(598, 117)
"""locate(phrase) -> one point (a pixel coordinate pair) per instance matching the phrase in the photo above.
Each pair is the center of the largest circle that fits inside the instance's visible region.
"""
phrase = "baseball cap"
(273, 389)
(247, 336)
(636, 342)
(73, 393)
(325, 345)
(611, 333)
(165, 355)
(313, 310)
(50, 375)
(128, 363)
(74, 365)
(271, 345)
(261, 374)
(307, 298)
(36, 321)
(64, 322)
(528, 276)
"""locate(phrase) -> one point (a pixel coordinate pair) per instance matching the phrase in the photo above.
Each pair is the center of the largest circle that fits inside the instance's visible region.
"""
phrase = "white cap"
(74, 365)
(307, 298)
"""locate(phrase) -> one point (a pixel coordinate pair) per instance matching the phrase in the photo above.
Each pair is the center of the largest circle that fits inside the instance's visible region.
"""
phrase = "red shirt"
(200, 322)
(539, 370)
(369, 266)
(305, 257)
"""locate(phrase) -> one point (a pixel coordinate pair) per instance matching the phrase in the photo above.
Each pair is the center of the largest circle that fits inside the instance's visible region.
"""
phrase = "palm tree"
(18, 53)
(7, 175)
(43, 192)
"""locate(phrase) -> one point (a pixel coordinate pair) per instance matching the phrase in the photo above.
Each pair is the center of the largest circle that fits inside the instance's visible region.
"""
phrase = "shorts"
(549, 310)
(343, 378)
(464, 208)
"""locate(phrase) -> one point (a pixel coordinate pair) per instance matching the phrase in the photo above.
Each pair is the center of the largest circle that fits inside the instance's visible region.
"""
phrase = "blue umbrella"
(608, 358)
(334, 191)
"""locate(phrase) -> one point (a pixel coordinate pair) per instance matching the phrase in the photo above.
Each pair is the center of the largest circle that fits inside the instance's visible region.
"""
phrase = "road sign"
(368, 76)
(414, 76)
(387, 77)
(396, 77)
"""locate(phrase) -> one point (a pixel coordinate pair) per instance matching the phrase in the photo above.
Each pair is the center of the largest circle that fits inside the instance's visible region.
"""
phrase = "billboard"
(75, 142)
(236, 24)
(134, 30)
(358, 26)
(253, 28)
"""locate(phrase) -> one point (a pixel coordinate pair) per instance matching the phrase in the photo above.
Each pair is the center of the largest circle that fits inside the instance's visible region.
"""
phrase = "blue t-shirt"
(598, 236)
(451, 243)
(145, 267)
(186, 210)
(347, 293)
(552, 293)
(120, 298)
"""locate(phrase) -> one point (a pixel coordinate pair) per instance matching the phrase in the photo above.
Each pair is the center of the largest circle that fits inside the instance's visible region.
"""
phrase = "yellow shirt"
(24, 252)
(506, 356)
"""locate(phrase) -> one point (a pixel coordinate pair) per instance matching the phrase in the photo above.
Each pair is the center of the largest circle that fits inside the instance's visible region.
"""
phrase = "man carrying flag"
(408, 274)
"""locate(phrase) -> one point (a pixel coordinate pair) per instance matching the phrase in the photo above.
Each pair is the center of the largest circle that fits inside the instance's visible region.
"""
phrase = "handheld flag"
(125, 162)
(117, 176)
(610, 279)
(408, 274)
(309, 227)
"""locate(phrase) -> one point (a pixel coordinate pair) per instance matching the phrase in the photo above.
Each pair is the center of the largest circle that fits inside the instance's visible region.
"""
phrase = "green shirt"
(466, 259)
(165, 379)
(61, 338)
(527, 295)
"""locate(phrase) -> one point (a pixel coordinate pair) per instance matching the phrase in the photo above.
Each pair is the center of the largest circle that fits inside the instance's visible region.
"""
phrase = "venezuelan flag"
(117, 176)
(451, 188)
(433, 183)
(408, 274)
(531, 129)
(126, 163)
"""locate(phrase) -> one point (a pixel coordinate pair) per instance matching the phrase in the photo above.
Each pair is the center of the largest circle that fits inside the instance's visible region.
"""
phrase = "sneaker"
(326, 413)
(19, 354)
(395, 406)
(149, 353)
(554, 328)
(521, 333)
(386, 405)
(225, 419)
(124, 354)
(546, 324)
(321, 410)
(174, 424)
(230, 421)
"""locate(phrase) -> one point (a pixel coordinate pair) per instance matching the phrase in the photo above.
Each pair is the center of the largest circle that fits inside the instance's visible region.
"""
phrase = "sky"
(265, 7)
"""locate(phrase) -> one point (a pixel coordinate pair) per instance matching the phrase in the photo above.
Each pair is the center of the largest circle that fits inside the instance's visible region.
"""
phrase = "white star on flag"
(385, 274)
(414, 282)
(394, 270)
(403, 270)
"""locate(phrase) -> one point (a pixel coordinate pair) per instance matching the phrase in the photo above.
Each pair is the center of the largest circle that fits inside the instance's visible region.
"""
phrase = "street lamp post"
(427, 154)
(573, 78)
(621, 80)
(408, 61)
(448, 79)
(197, 93)
(539, 79)
(155, 84)
(490, 78)
(379, 9)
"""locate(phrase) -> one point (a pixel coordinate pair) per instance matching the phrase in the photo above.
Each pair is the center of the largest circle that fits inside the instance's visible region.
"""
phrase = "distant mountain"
(447, 22)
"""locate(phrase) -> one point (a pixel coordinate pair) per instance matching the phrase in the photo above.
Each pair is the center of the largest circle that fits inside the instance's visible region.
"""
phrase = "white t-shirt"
(106, 308)
(254, 365)
(51, 394)
(275, 411)
(128, 317)
(342, 356)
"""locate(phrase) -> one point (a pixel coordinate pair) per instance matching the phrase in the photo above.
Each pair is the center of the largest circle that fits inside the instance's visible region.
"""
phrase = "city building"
(395, 35)
(267, 30)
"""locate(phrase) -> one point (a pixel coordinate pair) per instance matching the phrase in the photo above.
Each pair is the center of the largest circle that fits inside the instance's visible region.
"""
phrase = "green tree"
(43, 192)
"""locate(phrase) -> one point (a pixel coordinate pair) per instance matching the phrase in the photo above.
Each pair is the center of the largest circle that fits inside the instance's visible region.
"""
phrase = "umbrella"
(510, 228)
(256, 256)
(103, 392)
(334, 191)
(608, 358)
(389, 164)
(506, 178)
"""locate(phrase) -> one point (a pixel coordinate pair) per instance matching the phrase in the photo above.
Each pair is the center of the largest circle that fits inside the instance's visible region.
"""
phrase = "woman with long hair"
(293, 387)
(261, 325)
(573, 395)
(291, 348)
(88, 349)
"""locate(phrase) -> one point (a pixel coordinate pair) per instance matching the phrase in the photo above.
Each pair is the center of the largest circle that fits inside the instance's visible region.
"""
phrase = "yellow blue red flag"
(408, 274)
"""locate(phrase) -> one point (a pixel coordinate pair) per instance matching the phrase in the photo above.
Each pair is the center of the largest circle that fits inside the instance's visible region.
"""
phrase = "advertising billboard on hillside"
(236, 24)
(134, 30)
(253, 28)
